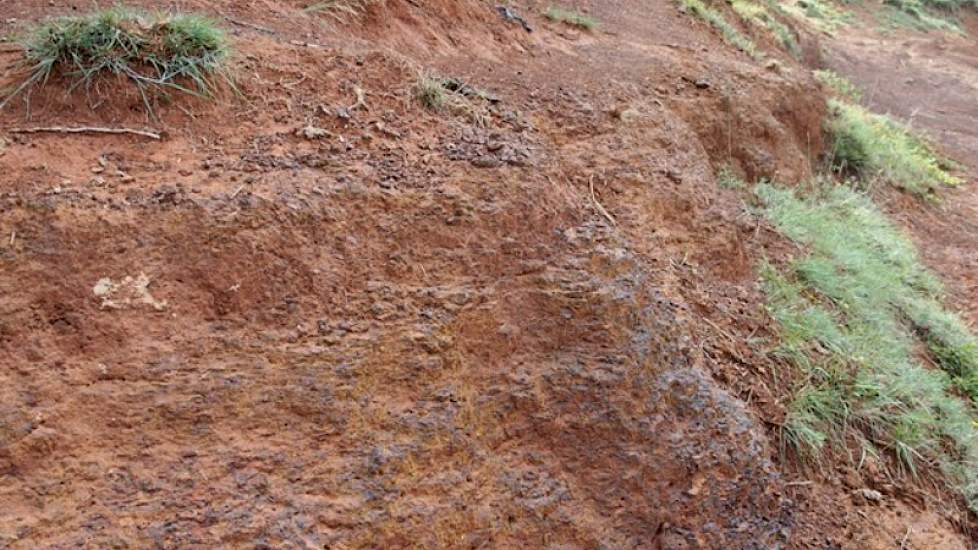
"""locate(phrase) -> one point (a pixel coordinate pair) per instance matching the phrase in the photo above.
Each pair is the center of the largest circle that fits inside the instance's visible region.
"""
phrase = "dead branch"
(85, 130)
(597, 204)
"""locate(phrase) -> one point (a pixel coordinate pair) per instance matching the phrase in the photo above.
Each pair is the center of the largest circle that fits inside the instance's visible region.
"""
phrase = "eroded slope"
(385, 326)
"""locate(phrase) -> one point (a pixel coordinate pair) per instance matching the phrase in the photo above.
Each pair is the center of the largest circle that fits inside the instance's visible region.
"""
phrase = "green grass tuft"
(572, 18)
(922, 15)
(853, 315)
(727, 178)
(827, 17)
(839, 85)
(757, 14)
(730, 33)
(160, 52)
(874, 145)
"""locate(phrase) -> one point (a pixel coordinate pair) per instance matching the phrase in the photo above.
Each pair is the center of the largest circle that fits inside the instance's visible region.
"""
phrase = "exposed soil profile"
(315, 314)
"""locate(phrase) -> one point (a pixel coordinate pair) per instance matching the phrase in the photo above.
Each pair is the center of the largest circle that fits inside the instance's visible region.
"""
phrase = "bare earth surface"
(292, 323)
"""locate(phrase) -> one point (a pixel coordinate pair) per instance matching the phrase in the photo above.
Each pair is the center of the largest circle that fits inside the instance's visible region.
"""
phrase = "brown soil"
(533, 324)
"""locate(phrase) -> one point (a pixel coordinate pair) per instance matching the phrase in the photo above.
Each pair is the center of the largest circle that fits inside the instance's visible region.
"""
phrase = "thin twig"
(249, 25)
(307, 44)
(85, 130)
(798, 483)
(291, 85)
(597, 204)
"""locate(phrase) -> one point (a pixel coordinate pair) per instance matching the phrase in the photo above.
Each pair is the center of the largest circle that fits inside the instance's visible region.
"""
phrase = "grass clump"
(923, 15)
(447, 94)
(874, 145)
(852, 316)
(431, 92)
(823, 14)
(757, 15)
(839, 85)
(156, 53)
(341, 9)
(716, 20)
(572, 18)
(727, 178)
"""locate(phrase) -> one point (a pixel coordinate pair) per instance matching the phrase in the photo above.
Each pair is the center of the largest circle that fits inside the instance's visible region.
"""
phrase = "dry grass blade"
(341, 9)
(598, 205)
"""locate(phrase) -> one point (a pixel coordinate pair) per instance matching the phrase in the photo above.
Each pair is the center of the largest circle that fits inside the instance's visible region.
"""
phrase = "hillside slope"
(316, 314)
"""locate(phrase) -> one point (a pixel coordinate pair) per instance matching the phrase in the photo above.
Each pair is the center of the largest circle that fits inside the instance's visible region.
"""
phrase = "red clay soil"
(298, 322)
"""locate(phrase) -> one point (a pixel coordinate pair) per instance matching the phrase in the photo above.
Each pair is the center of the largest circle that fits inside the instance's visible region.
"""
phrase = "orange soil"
(416, 329)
